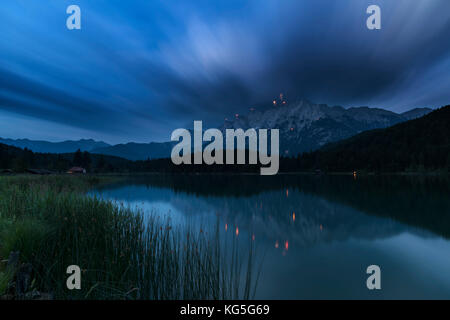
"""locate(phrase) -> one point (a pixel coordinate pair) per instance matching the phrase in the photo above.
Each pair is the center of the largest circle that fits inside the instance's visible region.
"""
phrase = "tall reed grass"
(53, 224)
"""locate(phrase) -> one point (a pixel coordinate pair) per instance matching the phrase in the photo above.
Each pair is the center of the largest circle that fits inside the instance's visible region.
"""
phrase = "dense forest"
(417, 145)
(422, 144)
(20, 160)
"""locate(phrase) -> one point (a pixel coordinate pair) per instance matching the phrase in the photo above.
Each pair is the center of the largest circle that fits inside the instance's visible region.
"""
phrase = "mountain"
(415, 145)
(416, 113)
(55, 147)
(305, 126)
(138, 151)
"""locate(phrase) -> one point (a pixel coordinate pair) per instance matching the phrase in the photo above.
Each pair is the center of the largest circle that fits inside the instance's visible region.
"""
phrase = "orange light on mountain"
(237, 231)
(286, 245)
(287, 193)
(293, 216)
(226, 226)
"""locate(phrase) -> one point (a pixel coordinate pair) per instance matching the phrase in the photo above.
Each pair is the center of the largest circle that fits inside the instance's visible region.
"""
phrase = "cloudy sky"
(140, 69)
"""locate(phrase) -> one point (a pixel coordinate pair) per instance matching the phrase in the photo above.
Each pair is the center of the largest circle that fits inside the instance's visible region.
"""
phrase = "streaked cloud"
(137, 70)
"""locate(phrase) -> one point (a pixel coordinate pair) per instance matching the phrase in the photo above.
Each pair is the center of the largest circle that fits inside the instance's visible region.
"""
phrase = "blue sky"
(140, 69)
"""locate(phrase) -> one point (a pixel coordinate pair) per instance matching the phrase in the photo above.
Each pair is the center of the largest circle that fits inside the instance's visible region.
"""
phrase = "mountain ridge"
(415, 145)
(138, 151)
(66, 146)
(304, 126)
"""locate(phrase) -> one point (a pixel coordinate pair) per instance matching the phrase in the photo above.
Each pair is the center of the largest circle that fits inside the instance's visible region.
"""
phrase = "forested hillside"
(415, 145)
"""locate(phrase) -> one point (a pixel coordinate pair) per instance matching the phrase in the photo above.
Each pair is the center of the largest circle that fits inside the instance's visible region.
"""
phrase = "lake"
(315, 236)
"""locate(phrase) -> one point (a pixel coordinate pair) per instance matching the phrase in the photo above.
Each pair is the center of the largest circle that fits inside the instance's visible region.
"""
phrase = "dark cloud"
(137, 71)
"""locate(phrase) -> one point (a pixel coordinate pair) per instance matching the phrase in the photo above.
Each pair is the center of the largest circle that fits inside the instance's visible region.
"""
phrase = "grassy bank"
(53, 224)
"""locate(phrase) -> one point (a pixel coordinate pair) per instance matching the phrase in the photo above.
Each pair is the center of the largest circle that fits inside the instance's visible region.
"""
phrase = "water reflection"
(319, 233)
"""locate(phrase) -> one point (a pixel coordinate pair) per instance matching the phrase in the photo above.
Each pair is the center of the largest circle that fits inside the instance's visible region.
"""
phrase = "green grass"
(5, 278)
(54, 224)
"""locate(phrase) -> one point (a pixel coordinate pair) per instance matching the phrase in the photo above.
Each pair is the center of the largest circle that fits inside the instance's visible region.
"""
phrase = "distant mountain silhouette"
(138, 151)
(55, 147)
(422, 144)
(416, 113)
(304, 126)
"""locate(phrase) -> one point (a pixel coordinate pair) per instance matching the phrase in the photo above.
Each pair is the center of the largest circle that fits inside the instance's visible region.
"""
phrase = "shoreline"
(300, 173)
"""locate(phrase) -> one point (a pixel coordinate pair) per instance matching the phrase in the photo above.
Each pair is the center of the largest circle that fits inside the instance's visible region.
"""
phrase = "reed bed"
(53, 224)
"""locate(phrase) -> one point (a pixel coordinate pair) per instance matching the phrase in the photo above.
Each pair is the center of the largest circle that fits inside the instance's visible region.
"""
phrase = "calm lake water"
(316, 235)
